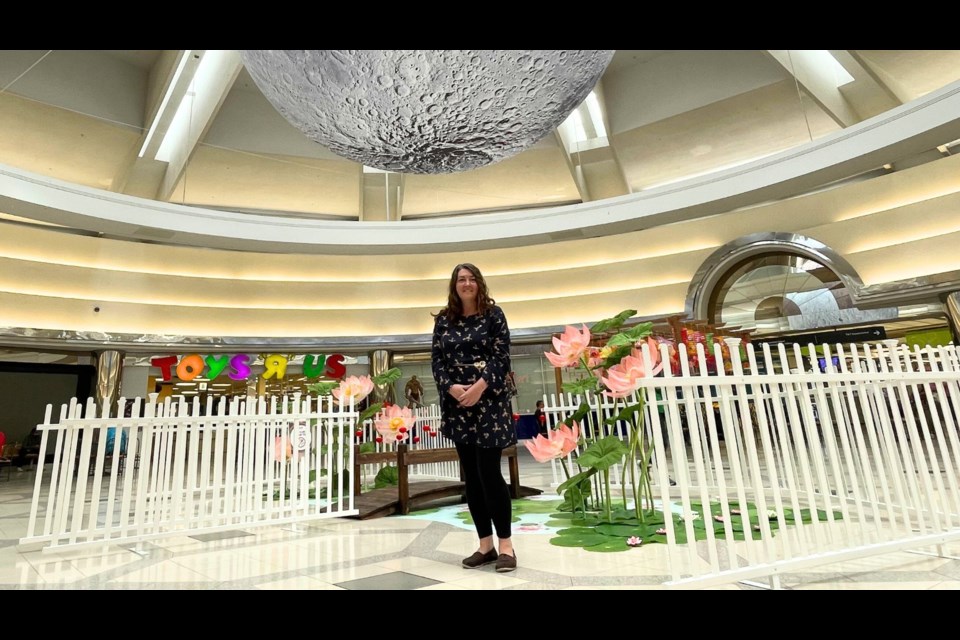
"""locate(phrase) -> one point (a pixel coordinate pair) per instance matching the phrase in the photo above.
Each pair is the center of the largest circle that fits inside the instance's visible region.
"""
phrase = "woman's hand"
(457, 391)
(472, 393)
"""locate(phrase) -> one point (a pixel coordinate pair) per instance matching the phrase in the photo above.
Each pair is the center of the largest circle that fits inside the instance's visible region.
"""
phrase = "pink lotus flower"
(569, 347)
(356, 387)
(624, 378)
(634, 541)
(394, 422)
(278, 452)
(560, 443)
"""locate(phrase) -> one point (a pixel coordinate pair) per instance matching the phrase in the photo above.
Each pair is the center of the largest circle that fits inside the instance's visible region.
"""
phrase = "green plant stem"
(631, 464)
(649, 455)
(591, 422)
(616, 426)
(643, 482)
(563, 465)
(606, 482)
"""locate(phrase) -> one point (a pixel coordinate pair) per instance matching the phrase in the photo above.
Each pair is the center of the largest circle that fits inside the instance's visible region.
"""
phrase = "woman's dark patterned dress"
(481, 338)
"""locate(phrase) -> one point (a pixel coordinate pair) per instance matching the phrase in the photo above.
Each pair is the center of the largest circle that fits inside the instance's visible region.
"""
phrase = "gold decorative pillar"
(380, 361)
(109, 366)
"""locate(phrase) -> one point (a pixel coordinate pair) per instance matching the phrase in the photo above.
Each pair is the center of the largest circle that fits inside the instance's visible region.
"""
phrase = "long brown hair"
(454, 308)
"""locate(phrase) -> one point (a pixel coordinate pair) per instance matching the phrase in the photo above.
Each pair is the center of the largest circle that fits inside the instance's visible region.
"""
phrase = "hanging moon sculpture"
(425, 111)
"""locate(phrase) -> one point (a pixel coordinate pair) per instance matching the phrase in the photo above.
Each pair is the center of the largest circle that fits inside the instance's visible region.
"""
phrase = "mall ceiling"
(100, 119)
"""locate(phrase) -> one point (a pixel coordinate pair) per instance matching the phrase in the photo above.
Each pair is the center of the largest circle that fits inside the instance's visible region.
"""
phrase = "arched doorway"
(782, 292)
(784, 283)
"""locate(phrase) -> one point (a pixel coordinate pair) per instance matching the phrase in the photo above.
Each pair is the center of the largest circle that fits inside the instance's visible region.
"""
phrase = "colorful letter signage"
(192, 365)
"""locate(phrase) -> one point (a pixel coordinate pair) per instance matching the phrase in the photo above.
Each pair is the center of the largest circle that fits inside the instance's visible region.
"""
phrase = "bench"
(404, 458)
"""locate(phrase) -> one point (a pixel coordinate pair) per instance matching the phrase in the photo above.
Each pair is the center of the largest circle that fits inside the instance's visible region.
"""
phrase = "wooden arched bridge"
(406, 495)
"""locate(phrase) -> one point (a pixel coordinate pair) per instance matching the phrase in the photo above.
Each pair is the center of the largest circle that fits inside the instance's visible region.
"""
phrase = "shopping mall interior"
(159, 205)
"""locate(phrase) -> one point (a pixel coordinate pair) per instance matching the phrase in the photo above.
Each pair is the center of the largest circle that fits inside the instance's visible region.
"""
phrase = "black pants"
(487, 493)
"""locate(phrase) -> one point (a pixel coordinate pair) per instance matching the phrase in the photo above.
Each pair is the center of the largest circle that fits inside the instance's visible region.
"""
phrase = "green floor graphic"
(539, 515)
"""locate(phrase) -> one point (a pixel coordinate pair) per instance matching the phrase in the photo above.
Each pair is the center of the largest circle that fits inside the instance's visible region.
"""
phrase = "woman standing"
(471, 360)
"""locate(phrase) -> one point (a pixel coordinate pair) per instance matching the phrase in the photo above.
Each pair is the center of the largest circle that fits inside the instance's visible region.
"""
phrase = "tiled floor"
(390, 553)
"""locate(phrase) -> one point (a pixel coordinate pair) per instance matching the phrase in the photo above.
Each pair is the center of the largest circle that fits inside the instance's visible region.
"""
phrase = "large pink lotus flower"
(569, 347)
(624, 378)
(394, 424)
(560, 443)
(356, 387)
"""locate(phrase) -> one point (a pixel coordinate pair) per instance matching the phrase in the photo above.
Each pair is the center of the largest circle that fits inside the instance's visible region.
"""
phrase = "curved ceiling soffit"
(719, 263)
(87, 341)
(909, 129)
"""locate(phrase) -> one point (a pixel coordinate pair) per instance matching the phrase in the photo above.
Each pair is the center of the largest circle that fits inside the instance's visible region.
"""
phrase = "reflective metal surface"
(109, 366)
(380, 361)
(953, 314)
(721, 261)
(155, 344)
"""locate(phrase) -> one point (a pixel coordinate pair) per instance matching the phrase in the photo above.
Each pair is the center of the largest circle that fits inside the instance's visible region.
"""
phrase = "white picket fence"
(188, 470)
(869, 447)
(427, 416)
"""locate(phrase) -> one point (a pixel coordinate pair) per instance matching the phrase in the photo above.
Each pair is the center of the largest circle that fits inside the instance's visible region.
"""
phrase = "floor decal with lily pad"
(540, 515)
(530, 515)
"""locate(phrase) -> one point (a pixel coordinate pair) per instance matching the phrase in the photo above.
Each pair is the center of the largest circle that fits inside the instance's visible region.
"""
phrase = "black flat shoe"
(479, 559)
(506, 563)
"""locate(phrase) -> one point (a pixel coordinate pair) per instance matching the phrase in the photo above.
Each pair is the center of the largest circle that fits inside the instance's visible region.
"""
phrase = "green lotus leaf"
(573, 499)
(603, 454)
(535, 506)
(575, 480)
(578, 537)
(387, 477)
(614, 323)
(806, 515)
(590, 383)
(631, 335)
(323, 388)
(608, 545)
(571, 542)
(573, 532)
(627, 414)
(584, 540)
(678, 531)
(369, 412)
(387, 377)
(641, 531)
